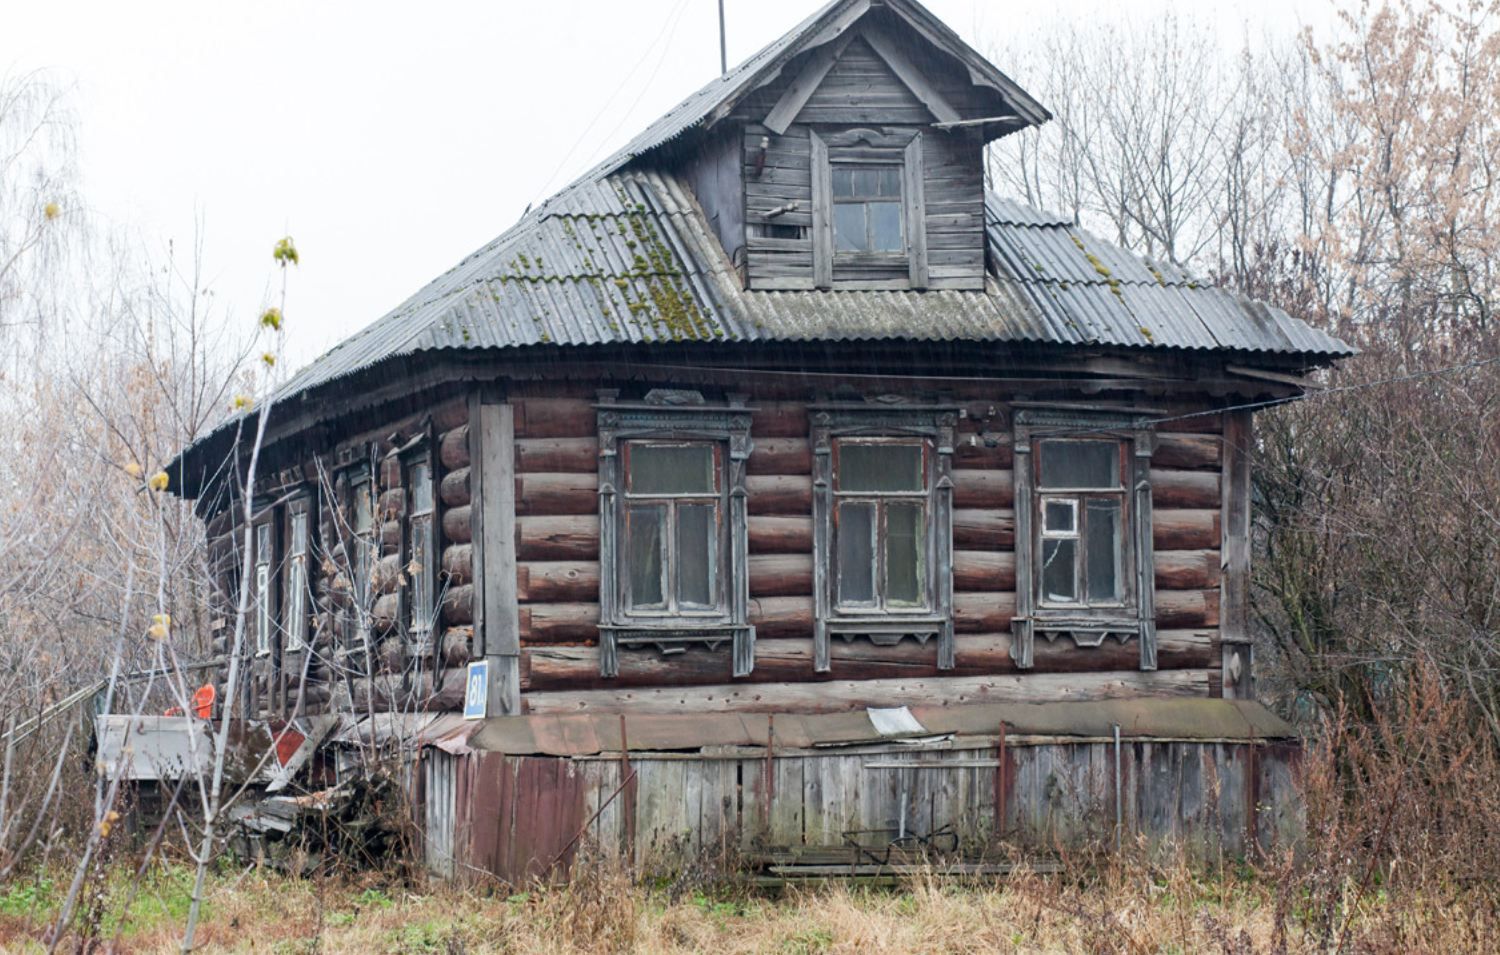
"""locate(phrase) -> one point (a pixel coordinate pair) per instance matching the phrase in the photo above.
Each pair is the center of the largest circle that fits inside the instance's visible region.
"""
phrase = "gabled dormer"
(851, 154)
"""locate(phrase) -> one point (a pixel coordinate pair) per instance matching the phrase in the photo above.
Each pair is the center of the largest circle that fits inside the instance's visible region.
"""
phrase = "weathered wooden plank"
(568, 581)
(783, 495)
(556, 538)
(780, 535)
(974, 488)
(554, 494)
(1175, 529)
(1184, 489)
(780, 456)
(554, 418)
(842, 695)
(1187, 451)
(780, 575)
(559, 622)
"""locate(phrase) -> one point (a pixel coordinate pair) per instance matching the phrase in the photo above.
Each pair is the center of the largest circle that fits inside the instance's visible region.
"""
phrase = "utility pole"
(723, 45)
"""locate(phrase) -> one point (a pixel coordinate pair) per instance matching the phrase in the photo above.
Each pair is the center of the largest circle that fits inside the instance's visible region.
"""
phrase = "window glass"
(849, 231)
(644, 556)
(421, 488)
(1059, 517)
(263, 588)
(297, 581)
(695, 554)
(903, 554)
(1080, 464)
(880, 467)
(885, 226)
(1059, 565)
(856, 536)
(1103, 547)
(671, 469)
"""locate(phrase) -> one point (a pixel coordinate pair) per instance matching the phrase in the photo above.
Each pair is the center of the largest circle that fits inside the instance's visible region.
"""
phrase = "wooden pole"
(770, 773)
(723, 43)
(627, 779)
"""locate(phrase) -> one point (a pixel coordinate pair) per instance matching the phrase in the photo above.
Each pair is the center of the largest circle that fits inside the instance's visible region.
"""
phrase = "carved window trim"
(936, 424)
(675, 416)
(264, 580)
(1086, 626)
(421, 603)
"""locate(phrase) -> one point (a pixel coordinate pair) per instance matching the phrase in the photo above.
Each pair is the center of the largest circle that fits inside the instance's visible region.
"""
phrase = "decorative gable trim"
(823, 59)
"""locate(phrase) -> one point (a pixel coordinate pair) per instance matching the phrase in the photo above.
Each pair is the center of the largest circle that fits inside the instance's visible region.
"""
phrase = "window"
(1083, 531)
(1081, 490)
(421, 564)
(869, 211)
(672, 517)
(867, 208)
(674, 536)
(296, 580)
(264, 613)
(362, 528)
(882, 525)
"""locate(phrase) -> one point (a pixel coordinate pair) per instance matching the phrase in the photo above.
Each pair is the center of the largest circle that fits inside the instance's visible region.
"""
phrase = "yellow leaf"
(51, 210)
(159, 481)
(134, 470)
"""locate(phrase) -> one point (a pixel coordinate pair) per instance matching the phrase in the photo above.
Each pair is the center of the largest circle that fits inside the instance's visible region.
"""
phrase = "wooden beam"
(839, 695)
(807, 82)
(1234, 610)
(493, 522)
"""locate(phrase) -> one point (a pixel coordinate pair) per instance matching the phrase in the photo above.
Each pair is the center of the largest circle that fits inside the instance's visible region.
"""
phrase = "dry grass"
(1141, 907)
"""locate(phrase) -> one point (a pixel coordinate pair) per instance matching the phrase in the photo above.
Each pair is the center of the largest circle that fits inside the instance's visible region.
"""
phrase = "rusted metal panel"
(587, 734)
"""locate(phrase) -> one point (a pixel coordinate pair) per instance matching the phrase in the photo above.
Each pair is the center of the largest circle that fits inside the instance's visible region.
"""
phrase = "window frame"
(361, 551)
(420, 594)
(294, 565)
(868, 147)
(888, 420)
(881, 501)
(672, 604)
(880, 165)
(265, 580)
(1088, 623)
(668, 417)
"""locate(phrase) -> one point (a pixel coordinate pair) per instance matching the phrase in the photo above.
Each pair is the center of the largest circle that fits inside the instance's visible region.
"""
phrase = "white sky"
(392, 138)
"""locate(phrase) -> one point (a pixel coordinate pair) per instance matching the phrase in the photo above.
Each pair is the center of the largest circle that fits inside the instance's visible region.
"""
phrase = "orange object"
(203, 701)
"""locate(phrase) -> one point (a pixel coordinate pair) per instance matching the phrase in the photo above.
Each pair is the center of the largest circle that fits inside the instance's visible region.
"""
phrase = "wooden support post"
(1001, 796)
(628, 805)
(770, 774)
(492, 477)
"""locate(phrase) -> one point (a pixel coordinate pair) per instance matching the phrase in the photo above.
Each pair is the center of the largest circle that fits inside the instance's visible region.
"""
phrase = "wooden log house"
(777, 420)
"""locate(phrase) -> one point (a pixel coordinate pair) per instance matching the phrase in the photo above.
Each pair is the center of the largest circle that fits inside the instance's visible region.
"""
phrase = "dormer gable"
(855, 158)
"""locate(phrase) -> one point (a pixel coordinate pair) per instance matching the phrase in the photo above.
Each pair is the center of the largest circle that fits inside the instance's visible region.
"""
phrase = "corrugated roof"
(629, 259)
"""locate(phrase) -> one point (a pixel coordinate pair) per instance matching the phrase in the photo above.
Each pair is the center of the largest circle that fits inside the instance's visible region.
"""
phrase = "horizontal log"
(780, 456)
(559, 455)
(1185, 489)
(983, 489)
(456, 526)
(780, 535)
(454, 488)
(454, 648)
(557, 538)
(985, 529)
(1186, 569)
(1184, 530)
(1189, 451)
(548, 669)
(978, 571)
(453, 448)
(458, 605)
(458, 563)
(385, 612)
(780, 575)
(385, 575)
(1183, 609)
(779, 494)
(390, 535)
(779, 420)
(840, 695)
(390, 693)
(555, 418)
(983, 612)
(559, 623)
(392, 503)
(452, 414)
(557, 581)
(557, 494)
(1185, 420)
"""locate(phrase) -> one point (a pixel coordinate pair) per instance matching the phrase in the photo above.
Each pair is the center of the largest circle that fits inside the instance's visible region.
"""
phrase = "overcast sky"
(391, 139)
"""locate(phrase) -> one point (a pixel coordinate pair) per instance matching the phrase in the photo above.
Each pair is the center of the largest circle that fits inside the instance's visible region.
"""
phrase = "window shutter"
(916, 213)
(822, 213)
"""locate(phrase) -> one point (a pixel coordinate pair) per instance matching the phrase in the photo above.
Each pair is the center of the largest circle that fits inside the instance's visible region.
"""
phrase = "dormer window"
(867, 208)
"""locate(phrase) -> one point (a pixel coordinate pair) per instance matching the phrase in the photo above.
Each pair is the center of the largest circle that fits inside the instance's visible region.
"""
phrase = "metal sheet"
(589, 734)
